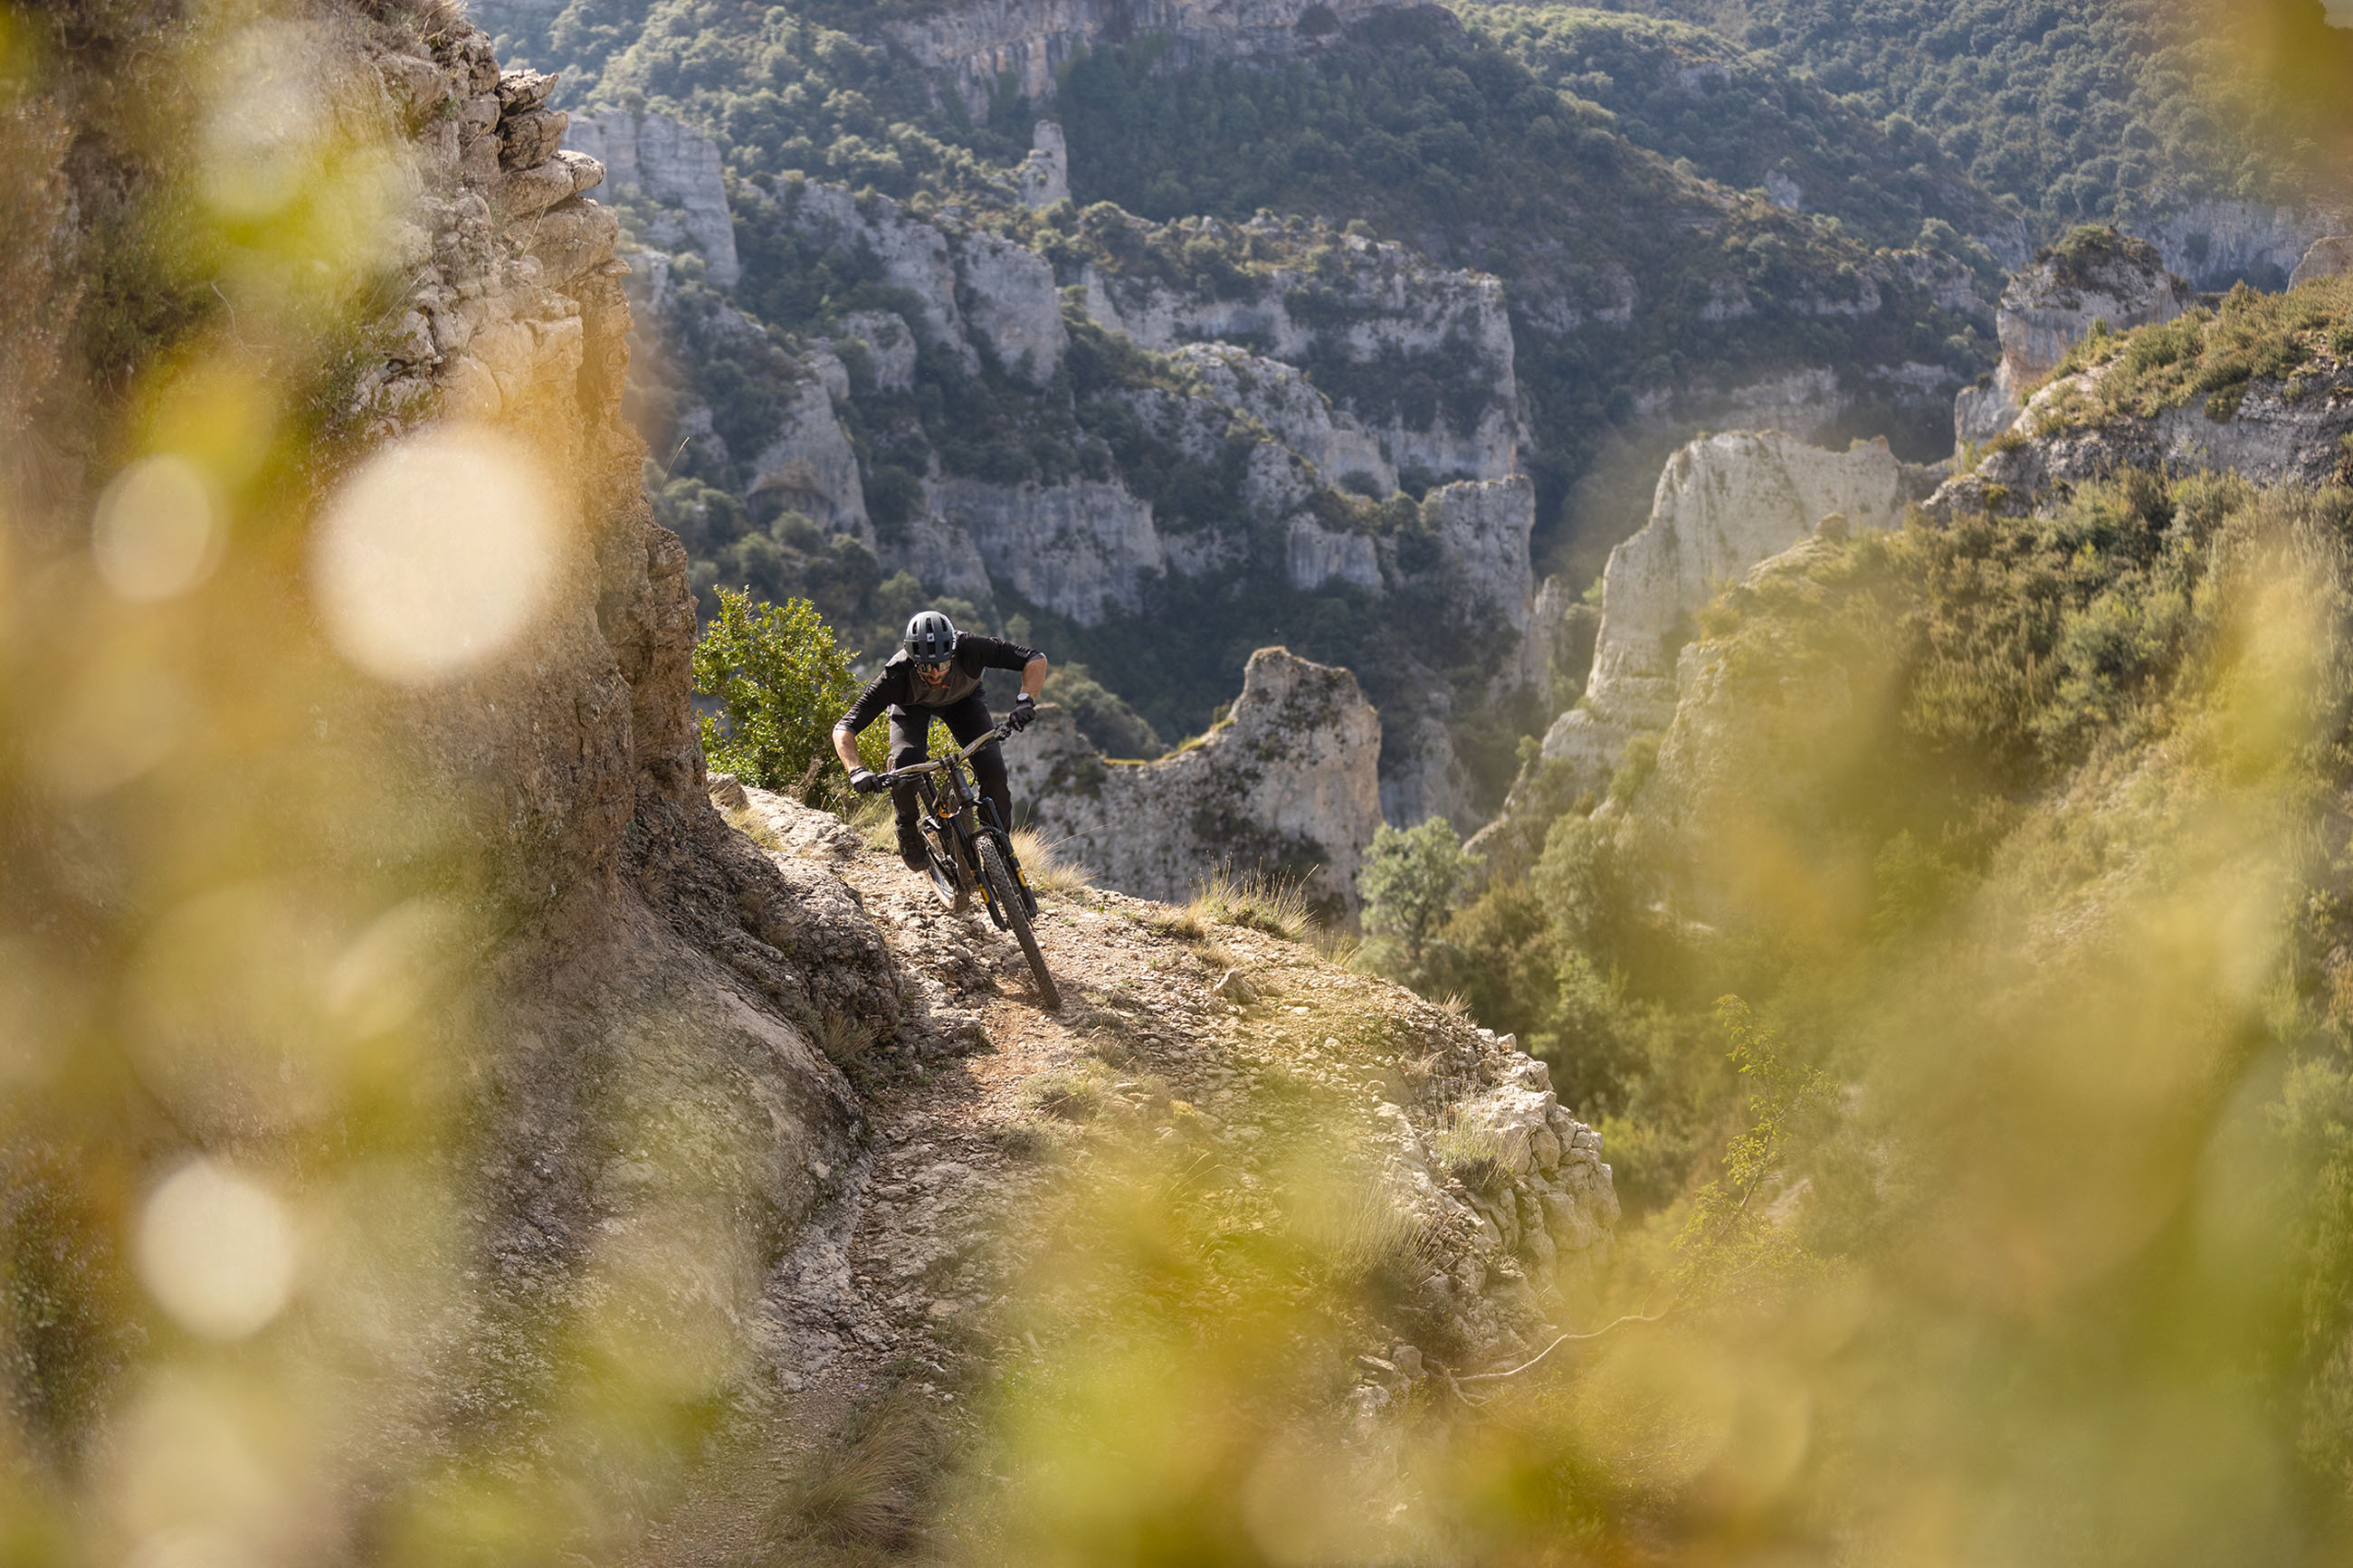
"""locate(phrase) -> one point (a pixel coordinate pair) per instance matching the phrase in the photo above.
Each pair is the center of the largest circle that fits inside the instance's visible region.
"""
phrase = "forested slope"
(2116, 108)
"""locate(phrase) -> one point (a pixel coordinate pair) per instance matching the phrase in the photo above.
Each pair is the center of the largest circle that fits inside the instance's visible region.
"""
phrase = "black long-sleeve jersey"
(898, 686)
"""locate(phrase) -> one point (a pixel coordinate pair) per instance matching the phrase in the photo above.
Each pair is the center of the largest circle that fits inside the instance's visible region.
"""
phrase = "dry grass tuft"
(1062, 1095)
(748, 823)
(1184, 923)
(1468, 1151)
(857, 1495)
(1257, 901)
(1043, 864)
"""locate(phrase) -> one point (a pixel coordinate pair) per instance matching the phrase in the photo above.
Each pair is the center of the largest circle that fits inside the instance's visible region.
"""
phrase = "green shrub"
(1410, 880)
(782, 681)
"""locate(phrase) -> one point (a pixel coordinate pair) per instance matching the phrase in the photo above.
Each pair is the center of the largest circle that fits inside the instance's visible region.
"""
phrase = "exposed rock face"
(1395, 307)
(812, 466)
(2277, 433)
(2215, 243)
(1015, 310)
(673, 163)
(2049, 308)
(980, 44)
(1044, 176)
(1723, 504)
(889, 347)
(2330, 258)
(1293, 410)
(648, 939)
(1484, 528)
(1314, 556)
(1081, 549)
(1288, 784)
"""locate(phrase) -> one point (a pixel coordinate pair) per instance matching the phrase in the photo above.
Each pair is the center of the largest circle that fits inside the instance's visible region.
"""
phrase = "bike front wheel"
(1007, 895)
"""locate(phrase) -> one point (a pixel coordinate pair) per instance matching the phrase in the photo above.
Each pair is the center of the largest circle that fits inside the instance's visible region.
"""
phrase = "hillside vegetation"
(2109, 110)
(1986, 821)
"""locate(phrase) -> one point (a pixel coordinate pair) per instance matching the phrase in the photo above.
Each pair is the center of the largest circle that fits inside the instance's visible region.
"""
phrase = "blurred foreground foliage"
(2027, 843)
(2019, 1225)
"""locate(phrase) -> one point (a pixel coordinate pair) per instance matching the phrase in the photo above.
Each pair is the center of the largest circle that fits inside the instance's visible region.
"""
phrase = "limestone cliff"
(1289, 783)
(2215, 243)
(2329, 257)
(1722, 505)
(980, 45)
(1385, 309)
(2048, 308)
(644, 933)
(671, 164)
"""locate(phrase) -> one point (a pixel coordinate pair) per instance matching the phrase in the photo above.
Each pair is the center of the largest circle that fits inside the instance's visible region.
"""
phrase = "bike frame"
(967, 815)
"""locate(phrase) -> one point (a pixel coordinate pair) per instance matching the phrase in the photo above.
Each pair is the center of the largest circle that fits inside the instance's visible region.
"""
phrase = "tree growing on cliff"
(1410, 879)
(782, 679)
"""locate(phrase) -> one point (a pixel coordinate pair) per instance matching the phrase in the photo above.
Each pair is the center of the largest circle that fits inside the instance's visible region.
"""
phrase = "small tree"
(782, 681)
(1410, 879)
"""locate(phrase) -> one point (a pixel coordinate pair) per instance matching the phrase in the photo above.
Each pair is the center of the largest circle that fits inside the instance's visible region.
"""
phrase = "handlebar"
(1004, 732)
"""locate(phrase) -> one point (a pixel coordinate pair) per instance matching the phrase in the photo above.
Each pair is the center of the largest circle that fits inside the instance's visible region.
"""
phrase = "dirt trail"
(895, 1289)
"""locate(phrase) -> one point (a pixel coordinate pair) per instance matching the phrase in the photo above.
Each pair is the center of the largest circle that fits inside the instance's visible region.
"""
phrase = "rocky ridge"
(2289, 428)
(1289, 782)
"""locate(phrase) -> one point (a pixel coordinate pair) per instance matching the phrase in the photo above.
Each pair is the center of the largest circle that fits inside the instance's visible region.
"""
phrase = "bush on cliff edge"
(781, 680)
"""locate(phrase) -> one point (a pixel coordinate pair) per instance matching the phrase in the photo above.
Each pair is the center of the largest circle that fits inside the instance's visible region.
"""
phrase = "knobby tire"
(1007, 894)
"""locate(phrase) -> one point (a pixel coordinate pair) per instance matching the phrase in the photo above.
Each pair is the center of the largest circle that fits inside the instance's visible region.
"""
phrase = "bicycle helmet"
(931, 639)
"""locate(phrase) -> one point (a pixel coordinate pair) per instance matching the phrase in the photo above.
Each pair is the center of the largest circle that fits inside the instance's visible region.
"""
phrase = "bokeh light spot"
(158, 533)
(436, 555)
(217, 1251)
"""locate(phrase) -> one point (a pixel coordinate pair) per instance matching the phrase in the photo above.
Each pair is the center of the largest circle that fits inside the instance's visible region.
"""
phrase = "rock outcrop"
(1723, 504)
(1083, 549)
(1044, 176)
(973, 290)
(980, 45)
(1385, 311)
(812, 467)
(2271, 432)
(673, 165)
(1294, 411)
(2048, 308)
(643, 933)
(2329, 257)
(1289, 783)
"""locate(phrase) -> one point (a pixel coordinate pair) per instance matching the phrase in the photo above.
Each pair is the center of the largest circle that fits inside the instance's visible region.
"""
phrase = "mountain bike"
(970, 849)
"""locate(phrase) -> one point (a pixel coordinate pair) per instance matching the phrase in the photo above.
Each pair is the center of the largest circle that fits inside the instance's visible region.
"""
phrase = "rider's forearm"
(845, 746)
(1033, 677)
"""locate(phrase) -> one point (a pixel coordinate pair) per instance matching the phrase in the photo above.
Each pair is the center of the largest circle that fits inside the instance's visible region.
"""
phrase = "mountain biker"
(936, 674)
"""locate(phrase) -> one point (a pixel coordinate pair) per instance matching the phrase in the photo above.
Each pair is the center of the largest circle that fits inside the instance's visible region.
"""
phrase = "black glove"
(865, 781)
(1025, 707)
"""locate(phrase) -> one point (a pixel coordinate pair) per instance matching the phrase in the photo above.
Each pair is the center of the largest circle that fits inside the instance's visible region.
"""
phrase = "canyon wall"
(976, 46)
(1723, 504)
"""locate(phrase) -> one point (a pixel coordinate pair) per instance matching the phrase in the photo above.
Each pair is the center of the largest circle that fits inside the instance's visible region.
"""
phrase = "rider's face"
(931, 673)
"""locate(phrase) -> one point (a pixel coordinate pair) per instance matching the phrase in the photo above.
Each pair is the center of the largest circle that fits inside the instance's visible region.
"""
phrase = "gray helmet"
(931, 639)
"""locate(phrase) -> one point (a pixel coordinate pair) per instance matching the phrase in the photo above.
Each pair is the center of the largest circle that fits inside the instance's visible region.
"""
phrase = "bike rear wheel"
(1007, 895)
